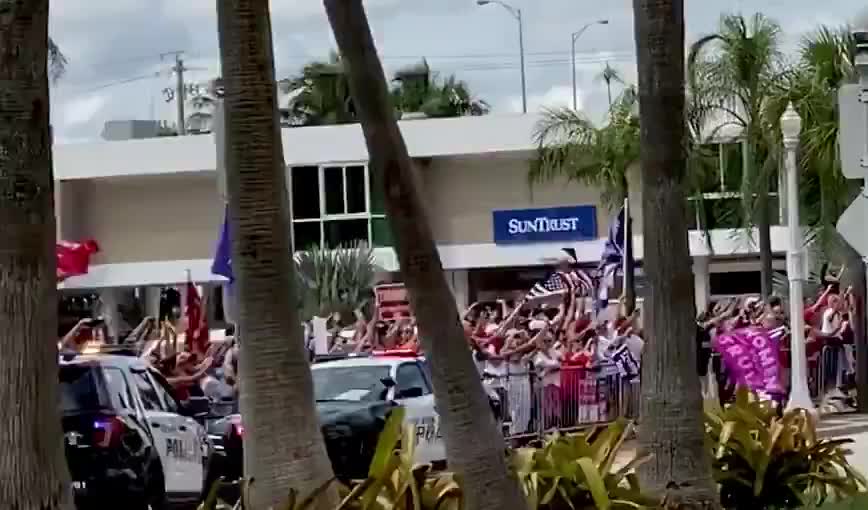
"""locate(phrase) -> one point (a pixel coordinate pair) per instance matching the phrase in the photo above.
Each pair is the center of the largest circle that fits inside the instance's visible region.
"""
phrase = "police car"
(127, 439)
(354, 396)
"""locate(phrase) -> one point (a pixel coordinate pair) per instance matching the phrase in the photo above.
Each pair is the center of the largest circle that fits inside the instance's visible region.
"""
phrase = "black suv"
(127, 440)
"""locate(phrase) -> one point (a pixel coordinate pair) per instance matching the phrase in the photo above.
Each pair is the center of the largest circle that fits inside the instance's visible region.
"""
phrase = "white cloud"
(82, 109)
(554, 97)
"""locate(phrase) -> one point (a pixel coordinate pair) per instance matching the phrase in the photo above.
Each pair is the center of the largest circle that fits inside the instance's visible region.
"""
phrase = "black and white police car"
(128, 441)
(354, 396)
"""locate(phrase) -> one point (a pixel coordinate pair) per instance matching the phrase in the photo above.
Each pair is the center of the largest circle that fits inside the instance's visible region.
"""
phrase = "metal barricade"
(569, 399)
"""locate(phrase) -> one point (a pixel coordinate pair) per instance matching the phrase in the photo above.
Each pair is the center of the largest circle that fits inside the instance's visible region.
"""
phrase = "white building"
(153, 207)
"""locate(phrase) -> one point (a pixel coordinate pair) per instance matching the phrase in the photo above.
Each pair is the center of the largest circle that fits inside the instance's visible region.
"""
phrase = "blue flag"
(222, 264)
(611, 259)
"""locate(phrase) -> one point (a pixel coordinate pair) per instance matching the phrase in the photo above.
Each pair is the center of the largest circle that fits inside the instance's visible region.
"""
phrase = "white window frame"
(723, 194)
(324, 217)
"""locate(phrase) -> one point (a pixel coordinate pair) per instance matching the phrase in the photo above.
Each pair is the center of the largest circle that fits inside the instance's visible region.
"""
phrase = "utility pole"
(180, 94)
(179, 74)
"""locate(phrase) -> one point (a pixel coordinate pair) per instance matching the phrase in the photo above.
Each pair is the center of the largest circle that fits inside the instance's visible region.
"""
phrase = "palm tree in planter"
(419, 90)
(572, 147)
(744, 71)
(33, 473)
(337, 280)
(672, 427)
(283, 445)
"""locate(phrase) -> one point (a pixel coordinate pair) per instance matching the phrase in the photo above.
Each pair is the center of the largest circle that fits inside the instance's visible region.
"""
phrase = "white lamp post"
(800, 396)
(516, 13)
(575, 37)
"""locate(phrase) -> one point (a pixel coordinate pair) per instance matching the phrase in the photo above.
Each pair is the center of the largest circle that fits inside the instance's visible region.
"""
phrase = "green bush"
(766, 461)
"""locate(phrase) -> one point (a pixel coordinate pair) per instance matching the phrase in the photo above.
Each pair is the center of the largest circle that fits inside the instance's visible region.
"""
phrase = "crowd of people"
(554, 361)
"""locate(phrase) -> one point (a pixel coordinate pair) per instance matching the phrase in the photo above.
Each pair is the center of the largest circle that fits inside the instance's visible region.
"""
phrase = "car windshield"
(78, 389)
(350, 383)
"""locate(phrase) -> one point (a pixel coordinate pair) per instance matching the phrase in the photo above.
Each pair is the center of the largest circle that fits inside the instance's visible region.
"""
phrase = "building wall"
(177, 217)
(462, 192)
(146, 218)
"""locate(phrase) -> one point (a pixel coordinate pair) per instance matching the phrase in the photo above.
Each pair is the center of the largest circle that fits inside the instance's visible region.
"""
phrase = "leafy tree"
(320, 94)
(418, 89)
(742, 70)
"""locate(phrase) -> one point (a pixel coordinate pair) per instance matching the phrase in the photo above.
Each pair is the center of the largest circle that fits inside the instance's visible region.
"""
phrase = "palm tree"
(319, 95)
(335, 280)
(420, 90)
(826, 63)
(743, 68)
(474, 444)
(57, 61)
(33, 473)
(283, 446)
(571, 146)
(610, 75)
(672, 423)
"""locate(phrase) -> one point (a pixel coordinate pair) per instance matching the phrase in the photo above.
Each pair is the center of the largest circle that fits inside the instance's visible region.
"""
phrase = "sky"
(116, 70)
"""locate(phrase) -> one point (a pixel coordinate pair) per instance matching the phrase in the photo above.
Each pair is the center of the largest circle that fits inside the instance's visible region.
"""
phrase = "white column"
(152, 301)
(800, 396)
(110, 299)
(702, 282)
(459, 282)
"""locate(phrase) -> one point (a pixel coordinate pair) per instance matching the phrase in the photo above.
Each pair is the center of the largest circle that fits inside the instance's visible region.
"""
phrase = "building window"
(335, 205)
(720, 204)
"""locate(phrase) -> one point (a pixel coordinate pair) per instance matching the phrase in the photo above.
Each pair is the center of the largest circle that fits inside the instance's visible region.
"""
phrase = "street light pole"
(800, 396)
(575, 37)
(516, 13)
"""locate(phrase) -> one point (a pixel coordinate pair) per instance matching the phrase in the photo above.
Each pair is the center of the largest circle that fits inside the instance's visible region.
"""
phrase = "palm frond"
(57, 61)
(337, 280)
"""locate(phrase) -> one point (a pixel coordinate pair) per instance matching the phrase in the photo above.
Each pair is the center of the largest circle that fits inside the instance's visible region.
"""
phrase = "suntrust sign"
(577, 223)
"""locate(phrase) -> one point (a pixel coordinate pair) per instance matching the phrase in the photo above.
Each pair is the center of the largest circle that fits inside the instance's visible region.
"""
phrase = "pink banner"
(751, 357)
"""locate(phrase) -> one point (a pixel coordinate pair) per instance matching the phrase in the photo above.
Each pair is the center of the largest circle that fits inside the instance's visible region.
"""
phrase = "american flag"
(559, 282)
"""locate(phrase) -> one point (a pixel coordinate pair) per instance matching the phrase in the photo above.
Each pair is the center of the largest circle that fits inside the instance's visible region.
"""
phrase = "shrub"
(766, 460)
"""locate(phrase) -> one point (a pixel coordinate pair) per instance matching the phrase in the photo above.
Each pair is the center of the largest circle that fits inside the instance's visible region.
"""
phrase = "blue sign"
(577, 223)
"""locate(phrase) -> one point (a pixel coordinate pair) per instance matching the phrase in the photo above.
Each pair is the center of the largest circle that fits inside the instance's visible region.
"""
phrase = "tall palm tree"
(418, 89)
(571, 146)
(825, 63)
(609, 75)
(474, 444)
(672, 423)
(744, 69)
(319, 95)
(283, 446)
(33, 472)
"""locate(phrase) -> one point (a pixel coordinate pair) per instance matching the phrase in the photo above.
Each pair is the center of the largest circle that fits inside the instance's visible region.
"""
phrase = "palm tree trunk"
(763, 225)
(672, 427)
(474, 444)
(33, 472)
(283, 444)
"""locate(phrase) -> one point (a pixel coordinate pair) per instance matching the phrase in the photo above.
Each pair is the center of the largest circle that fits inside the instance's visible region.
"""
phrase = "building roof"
(487, 134)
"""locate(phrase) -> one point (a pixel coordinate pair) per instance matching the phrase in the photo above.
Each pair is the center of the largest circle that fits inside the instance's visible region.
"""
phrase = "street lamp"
(800, 397)
(575, 36)
(516, 13)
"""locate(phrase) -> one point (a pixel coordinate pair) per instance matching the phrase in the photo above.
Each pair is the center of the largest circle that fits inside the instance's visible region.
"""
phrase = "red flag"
(73, 259)
(197, 323)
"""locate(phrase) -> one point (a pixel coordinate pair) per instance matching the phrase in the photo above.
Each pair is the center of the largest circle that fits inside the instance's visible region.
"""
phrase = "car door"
(164, 427)
(192, 450)
(413, 392)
